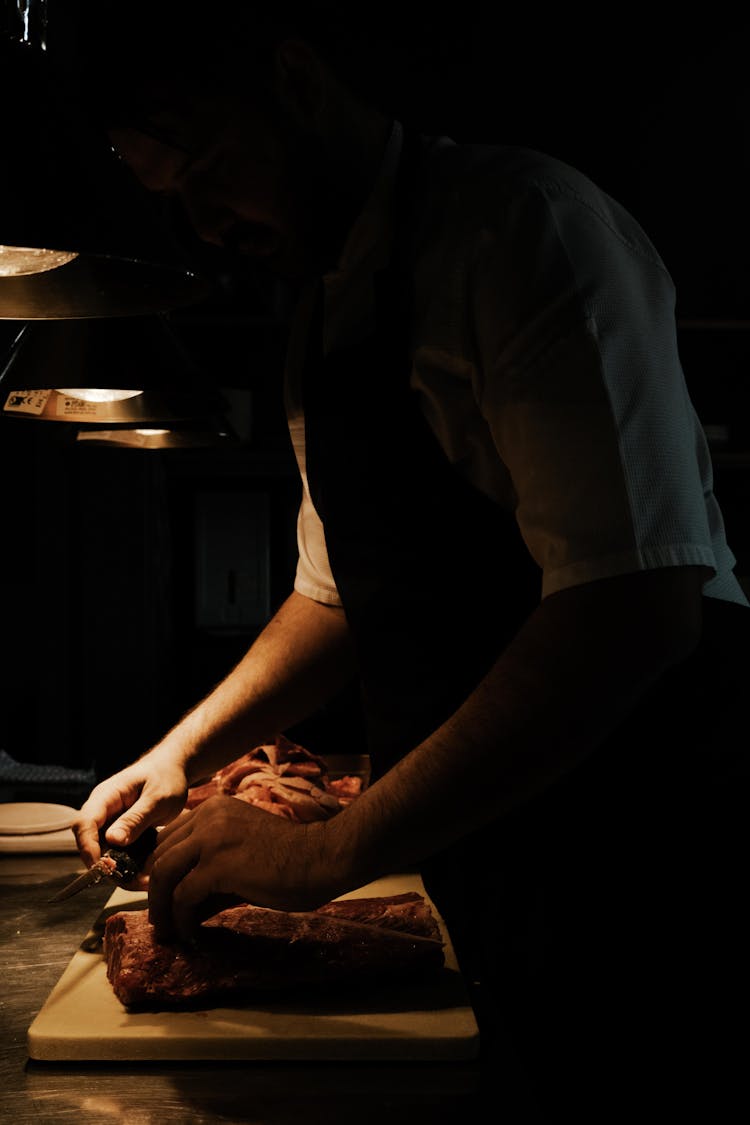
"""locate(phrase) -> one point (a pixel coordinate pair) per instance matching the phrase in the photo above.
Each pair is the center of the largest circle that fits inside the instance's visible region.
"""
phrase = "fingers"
(129, 826)
(173, 859)
(96, 812)
(191, 902)
(189, 869)
(86, 834)
(93, 815)
(168, 831)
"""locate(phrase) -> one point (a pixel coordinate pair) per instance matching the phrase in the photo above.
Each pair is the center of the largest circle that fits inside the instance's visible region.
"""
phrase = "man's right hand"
(148, 792)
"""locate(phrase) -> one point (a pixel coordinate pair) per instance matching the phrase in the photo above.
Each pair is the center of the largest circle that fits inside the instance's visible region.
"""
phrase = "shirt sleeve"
(313, 576)
(582, 388)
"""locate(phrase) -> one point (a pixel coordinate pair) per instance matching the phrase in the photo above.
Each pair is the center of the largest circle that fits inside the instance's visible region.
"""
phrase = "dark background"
(101, 646)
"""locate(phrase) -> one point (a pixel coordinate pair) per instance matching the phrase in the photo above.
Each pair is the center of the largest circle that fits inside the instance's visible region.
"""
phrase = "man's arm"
(299, 661)
(577, 667)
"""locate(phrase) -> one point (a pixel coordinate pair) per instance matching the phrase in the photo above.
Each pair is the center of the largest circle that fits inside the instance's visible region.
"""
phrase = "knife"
(120, 865)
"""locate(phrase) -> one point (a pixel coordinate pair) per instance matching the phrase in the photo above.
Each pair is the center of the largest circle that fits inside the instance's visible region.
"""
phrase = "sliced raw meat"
(296, 783)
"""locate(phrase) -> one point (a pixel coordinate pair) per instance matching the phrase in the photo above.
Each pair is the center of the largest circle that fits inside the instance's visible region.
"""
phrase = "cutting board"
(82, 1019)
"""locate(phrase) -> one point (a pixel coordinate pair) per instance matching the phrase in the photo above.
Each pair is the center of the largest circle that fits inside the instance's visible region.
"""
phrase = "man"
(507, 533)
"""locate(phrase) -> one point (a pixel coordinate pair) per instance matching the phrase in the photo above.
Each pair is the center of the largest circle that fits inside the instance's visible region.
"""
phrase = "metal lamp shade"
(63, 188)
(143, 354)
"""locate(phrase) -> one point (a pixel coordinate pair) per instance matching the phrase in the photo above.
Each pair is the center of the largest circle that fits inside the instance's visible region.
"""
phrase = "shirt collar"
(369, 228)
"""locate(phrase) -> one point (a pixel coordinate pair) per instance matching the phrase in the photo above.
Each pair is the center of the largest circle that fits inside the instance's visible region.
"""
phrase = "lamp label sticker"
(27, 402)
(76, 409)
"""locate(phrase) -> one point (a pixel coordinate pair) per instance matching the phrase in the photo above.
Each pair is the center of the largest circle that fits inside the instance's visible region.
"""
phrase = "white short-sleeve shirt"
(546, 363)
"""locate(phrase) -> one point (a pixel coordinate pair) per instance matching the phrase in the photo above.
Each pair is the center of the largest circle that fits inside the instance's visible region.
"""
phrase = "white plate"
(62, 841)
(21, 818)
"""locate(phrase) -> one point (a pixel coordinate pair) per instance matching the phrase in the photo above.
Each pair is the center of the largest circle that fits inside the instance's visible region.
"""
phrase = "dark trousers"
(605, 923)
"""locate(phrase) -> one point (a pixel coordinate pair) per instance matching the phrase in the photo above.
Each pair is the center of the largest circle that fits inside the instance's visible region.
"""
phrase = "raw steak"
(249, 949)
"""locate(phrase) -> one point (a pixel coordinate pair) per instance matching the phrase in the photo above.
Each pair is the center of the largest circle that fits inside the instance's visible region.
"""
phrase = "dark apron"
(420, 557)
(435, 579)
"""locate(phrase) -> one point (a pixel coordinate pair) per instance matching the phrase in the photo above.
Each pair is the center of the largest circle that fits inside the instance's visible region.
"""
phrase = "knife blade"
(119, 865)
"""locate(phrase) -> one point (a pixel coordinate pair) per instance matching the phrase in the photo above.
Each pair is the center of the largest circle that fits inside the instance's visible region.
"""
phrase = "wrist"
(178, 749)
(334, 864)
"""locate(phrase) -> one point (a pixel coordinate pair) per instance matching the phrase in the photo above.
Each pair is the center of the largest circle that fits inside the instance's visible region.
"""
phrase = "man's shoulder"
(464, 191)
(454, 166)
(516, 193)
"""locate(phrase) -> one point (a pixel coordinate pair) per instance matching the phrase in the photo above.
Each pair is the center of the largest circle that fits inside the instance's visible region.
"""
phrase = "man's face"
(248, 180)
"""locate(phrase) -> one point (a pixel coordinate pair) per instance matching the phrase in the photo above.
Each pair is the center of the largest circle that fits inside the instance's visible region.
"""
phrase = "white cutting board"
(82, 1019)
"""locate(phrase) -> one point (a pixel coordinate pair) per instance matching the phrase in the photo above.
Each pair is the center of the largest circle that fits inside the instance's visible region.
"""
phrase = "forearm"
(300, 661)
(580, 664)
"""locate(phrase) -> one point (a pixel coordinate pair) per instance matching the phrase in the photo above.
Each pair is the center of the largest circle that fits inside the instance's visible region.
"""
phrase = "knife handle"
(129, 860)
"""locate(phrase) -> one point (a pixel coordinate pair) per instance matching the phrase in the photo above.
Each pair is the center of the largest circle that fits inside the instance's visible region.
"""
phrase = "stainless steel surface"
(37, 940)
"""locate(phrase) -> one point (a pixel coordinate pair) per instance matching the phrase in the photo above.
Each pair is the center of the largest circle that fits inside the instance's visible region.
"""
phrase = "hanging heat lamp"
(103, 373)
(79, 236)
